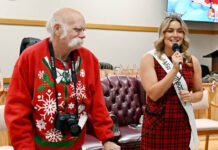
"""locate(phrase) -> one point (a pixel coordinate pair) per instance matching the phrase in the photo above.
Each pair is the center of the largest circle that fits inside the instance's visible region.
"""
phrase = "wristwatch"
(111, 140)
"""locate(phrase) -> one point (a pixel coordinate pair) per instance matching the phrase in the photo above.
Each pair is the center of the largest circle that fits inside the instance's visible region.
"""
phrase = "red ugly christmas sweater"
(30, 108)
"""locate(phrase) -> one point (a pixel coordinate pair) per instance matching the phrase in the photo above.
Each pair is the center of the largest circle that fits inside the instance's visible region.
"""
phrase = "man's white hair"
(50, 26)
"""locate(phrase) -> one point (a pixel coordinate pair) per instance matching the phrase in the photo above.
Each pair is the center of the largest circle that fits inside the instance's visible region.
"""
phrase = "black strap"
(74, 80)
(53, 71)
(54, 75)
(111, 140)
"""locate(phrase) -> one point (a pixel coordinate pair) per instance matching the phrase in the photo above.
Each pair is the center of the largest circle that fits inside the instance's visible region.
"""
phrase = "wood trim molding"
(121, 27)
(25, 22)
(192, 31)
(6, 80)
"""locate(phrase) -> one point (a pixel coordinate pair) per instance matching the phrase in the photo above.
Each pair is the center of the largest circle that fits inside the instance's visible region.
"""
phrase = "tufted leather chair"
(125, 100)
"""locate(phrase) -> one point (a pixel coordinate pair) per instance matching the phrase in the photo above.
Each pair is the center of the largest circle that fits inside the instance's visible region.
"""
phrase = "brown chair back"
(124, 97)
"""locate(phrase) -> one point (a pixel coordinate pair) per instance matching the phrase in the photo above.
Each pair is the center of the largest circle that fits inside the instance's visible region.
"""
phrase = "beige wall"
(116, 47)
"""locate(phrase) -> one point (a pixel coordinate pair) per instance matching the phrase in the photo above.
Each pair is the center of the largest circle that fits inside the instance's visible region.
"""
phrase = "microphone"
(177, 48)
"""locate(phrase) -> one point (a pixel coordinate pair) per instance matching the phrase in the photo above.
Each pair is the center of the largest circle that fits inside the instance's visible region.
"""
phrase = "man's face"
(74, 32)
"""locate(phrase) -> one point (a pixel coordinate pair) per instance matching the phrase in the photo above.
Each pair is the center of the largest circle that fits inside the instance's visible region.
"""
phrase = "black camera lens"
(67, 121)
(75, 130)
(72, 123)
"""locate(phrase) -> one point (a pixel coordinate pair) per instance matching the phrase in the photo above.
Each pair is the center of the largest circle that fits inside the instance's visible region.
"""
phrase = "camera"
(67, 121)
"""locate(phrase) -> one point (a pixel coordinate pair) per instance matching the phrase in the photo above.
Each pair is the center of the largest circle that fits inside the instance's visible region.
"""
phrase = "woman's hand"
(177, 58)
(186, 96)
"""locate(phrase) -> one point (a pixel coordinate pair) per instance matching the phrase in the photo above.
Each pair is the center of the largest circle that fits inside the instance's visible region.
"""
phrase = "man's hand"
(111, 146)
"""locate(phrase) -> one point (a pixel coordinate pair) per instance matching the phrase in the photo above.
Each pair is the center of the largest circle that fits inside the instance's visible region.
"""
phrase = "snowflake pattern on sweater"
(46, 105)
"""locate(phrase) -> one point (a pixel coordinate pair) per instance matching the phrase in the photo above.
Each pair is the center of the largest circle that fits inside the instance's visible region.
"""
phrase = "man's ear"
(58, 29)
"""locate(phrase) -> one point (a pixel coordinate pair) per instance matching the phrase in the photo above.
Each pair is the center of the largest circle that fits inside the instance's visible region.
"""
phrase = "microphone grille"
(175, 47)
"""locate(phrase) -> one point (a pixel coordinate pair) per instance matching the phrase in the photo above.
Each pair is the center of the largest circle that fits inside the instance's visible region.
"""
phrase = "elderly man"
(54, 86)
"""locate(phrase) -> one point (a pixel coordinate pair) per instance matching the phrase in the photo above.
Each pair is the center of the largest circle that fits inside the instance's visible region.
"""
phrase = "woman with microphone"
(168, 119)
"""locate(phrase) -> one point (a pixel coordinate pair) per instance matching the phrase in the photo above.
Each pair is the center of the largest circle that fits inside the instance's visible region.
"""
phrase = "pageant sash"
(167, 65)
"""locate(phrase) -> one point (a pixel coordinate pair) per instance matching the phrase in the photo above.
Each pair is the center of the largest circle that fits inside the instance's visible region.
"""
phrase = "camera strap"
(54, 76)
